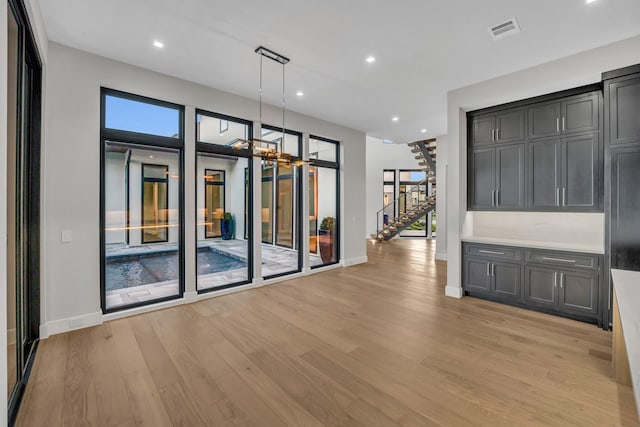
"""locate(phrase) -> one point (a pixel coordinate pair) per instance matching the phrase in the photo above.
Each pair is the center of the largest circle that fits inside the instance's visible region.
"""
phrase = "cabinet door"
(482, 176)
(578, 292)
(580, 114)
(483, 130)
(540, 286)
(544, 179)
(625, 208)
(544, 120)
(507, 279)
(624, 111)
(476, 275)
(580, 172)
(510, 177)
(510, 126)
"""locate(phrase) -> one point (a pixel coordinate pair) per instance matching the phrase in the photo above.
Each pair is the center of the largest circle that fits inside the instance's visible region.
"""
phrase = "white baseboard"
(454, 292)
(190, 296)
(70, 324)
(97, 318)
(441, 257)
(355, 261)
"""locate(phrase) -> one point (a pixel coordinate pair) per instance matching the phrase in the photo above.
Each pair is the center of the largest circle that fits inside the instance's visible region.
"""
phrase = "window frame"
(222, 150)
(141, 141)
(159, 180)
(337, 167)
(222, 184)
(297, 228)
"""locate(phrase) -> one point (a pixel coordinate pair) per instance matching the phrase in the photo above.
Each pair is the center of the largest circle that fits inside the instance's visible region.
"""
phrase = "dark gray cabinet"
(506, 279)
(564, 283)
(510, 177)
(578, 292)
(482, 182)
(624, 110)
(544, 174)
(570, 115)
(581, 172)
(564, 174)
(499, 278)
(478, 275)
(507, 127)
(548, 155)
(625, 208)
(544, 120)
(496, 179)
(540, 286)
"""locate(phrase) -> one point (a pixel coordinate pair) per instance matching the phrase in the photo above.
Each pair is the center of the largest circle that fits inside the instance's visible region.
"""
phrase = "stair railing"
(402, 205)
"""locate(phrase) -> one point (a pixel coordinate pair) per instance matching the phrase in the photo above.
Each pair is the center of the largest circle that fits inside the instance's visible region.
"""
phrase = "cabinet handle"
(555, 279)
(563, 124)
(557, 124)
(493, 198)
(493, 135)
(493, 270)
(572, 261)
(561, 280)
(498, 134)
(485, 251)
(488, 269)
(564, 196)
(497, 197)
(558, 196)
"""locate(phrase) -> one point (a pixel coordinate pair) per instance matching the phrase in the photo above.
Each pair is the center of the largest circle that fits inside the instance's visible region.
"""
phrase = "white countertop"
(570, 247)
(627, 286)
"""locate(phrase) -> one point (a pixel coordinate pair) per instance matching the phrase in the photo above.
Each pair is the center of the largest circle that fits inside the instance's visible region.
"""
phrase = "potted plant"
(227, 226)
(326, 239)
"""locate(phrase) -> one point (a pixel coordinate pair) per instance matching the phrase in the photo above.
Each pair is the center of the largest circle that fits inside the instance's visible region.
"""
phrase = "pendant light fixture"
(269, 150)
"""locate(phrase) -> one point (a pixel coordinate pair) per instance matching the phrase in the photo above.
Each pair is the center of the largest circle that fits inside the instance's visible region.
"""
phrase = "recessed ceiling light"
(158, 44)
(370, 59)
(395, 118)
(151, 157)
(423, 131)
(299, 93)
(590, 1)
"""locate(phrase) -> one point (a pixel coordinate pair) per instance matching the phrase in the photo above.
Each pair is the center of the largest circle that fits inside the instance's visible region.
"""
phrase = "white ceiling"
(424, 48)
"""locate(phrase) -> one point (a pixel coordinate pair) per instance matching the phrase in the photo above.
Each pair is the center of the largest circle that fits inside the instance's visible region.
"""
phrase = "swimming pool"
(137, 270)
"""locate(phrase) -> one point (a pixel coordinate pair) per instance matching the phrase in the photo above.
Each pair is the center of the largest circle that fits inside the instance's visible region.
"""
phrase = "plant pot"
(226, 228)
(325, 240)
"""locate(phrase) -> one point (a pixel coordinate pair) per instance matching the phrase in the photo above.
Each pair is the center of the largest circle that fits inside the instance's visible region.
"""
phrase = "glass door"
(23, 202)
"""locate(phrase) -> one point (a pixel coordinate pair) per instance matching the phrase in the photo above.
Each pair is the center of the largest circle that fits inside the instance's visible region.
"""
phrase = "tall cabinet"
(622, 144)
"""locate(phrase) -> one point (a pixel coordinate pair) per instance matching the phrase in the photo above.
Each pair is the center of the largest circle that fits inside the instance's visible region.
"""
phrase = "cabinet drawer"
(493, 252)
(564, 259)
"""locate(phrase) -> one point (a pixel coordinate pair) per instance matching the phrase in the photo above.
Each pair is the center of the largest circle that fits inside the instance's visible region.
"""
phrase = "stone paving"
(275, 260)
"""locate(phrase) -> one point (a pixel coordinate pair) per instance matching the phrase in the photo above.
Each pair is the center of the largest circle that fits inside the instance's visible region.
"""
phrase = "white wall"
(72, 168)
(441, 196)
(565, 73)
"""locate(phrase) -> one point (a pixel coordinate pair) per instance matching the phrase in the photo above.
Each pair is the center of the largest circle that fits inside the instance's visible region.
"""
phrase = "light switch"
(67, 236)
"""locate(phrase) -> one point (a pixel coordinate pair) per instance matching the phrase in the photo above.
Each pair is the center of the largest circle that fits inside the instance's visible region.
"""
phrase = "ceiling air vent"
(505, 29)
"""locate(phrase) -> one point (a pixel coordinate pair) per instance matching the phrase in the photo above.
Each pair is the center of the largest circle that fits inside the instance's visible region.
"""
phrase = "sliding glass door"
(24, 87)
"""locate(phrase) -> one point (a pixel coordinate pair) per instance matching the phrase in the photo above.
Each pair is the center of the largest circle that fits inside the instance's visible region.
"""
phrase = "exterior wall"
(573, 71)
(72, 172)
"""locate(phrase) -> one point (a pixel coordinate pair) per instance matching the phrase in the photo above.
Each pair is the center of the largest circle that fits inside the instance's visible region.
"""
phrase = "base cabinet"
(558, 282)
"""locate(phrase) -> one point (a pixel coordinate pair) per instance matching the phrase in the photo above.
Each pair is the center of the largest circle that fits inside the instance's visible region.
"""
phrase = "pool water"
(137, 270)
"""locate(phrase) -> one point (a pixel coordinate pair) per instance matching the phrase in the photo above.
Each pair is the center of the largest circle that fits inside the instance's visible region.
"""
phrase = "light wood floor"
(371, 345)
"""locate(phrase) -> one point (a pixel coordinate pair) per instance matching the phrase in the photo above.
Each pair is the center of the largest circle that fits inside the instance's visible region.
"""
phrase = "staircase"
(409, 208)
